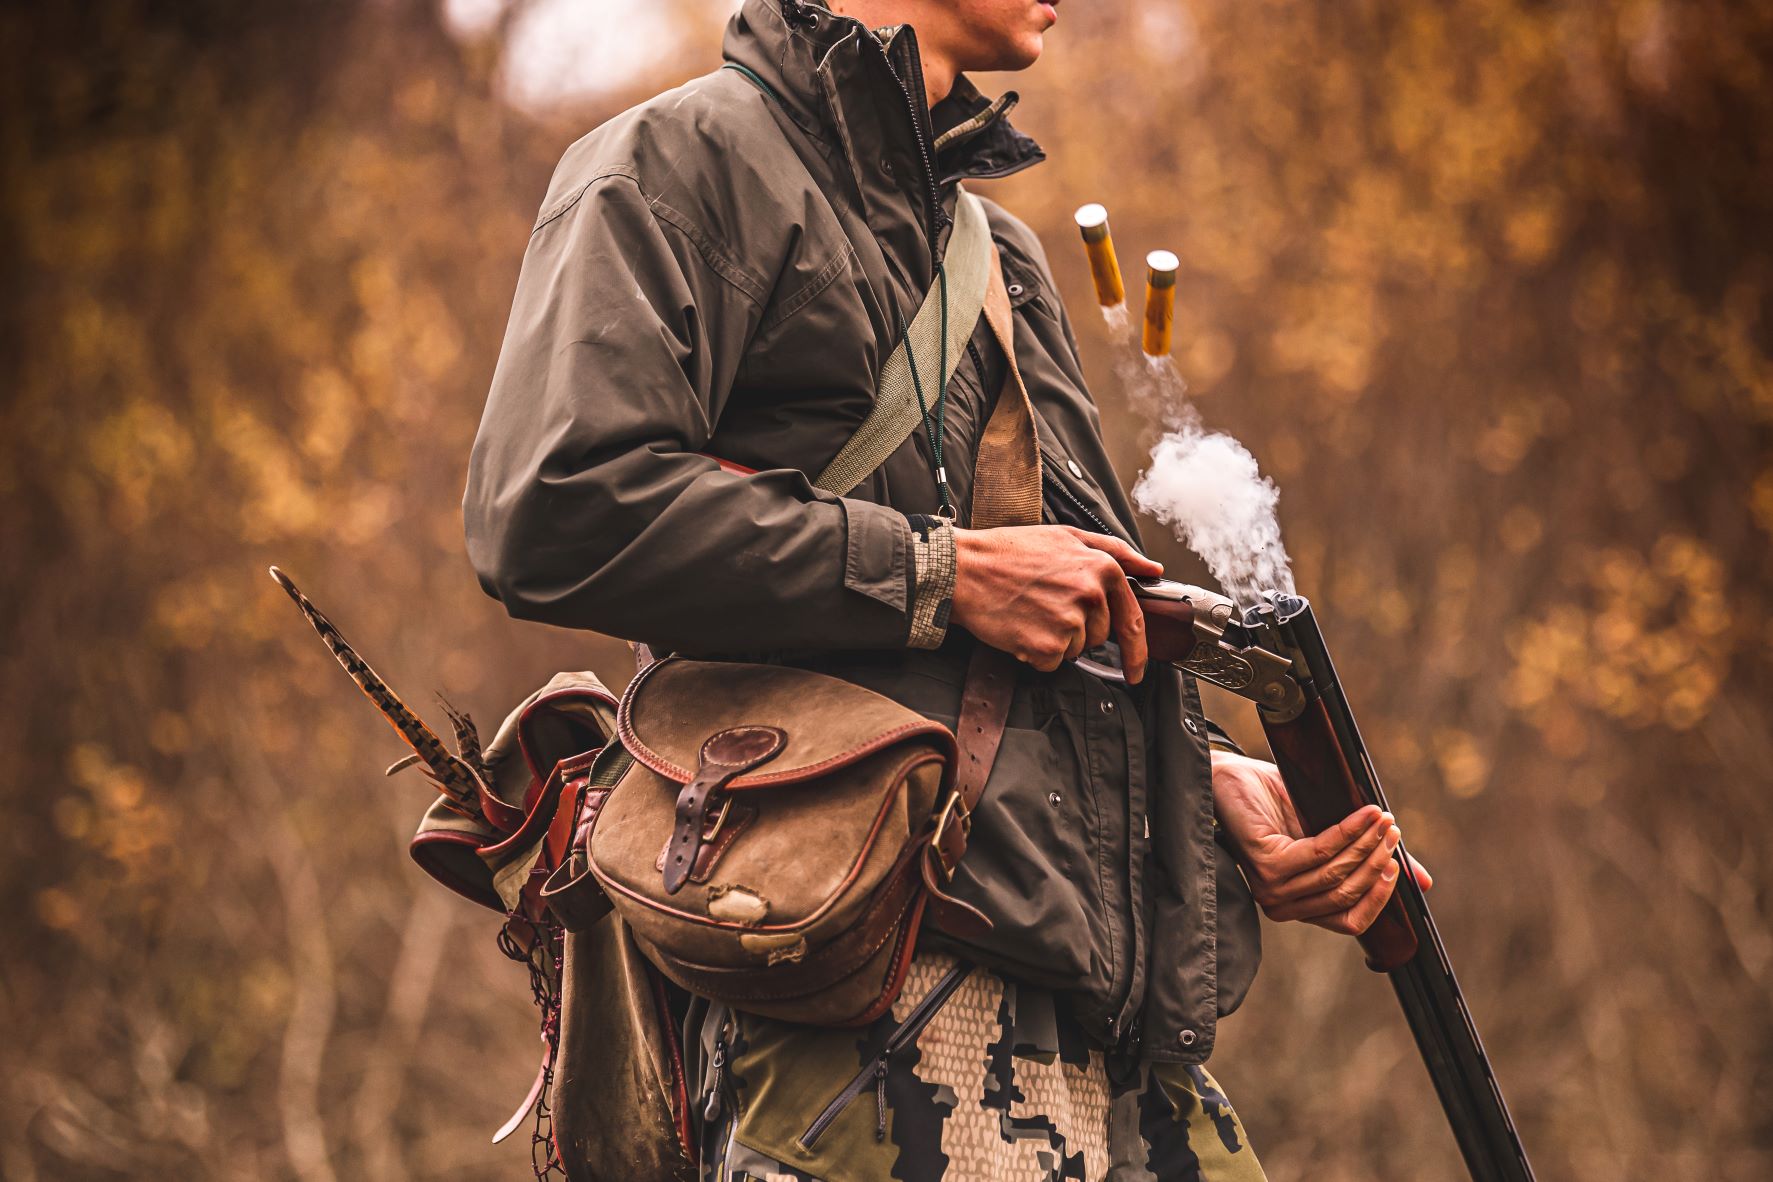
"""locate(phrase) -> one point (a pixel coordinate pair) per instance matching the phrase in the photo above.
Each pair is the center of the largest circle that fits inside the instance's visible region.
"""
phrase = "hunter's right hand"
(1045, 593)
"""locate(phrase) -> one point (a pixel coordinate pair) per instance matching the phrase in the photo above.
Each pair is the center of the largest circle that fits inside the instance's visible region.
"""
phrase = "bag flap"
(447, 847)
(672, 708)
(573, 714)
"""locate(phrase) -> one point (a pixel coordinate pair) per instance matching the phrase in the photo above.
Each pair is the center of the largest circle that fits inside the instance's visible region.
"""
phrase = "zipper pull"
(711, 1110)
(880, 1072)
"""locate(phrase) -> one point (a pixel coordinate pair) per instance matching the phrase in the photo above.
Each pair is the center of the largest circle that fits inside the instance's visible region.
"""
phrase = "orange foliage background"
(1484, 284)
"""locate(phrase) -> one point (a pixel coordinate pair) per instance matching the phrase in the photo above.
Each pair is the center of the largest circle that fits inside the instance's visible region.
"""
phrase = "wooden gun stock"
(1169, 629)
(1324, 791)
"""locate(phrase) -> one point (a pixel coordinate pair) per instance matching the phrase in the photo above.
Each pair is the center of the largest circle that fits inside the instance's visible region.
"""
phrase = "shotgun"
(1273, 654)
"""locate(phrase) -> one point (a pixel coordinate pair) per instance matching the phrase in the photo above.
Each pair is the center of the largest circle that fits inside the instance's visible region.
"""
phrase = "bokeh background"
(1484, 284)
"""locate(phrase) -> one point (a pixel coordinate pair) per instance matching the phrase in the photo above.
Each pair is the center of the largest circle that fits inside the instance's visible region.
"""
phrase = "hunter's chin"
(1013, 40)
(1024, 53)
(1033, 41)
(1021, 51)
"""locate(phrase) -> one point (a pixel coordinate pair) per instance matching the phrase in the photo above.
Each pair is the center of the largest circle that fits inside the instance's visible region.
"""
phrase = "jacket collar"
(786, 42)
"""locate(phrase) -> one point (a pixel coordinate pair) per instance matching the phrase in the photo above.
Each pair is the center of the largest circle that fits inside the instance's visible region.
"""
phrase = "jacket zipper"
(978, 367)
(716, 1102)
(932, 199)
(1071, 498)
(876, 1072)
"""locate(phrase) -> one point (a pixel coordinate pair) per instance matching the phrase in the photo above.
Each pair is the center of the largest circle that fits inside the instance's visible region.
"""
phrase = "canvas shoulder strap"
(969, 263)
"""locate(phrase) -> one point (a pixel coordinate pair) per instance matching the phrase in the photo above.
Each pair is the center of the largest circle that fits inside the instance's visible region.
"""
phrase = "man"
(720, 272)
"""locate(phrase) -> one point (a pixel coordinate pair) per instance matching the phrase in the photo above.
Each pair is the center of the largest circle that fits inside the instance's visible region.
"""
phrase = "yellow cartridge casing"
(1160, 301)
(1092, 222)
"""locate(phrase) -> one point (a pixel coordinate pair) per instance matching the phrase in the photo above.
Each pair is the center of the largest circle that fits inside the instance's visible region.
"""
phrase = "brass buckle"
(726, 806)
(952, 808)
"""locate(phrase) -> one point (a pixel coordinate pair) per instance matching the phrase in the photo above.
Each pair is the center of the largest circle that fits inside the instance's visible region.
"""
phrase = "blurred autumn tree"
(1484, 284)
(260, 259)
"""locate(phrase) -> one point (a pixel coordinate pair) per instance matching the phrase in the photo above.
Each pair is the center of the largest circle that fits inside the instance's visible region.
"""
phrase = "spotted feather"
(455, 777)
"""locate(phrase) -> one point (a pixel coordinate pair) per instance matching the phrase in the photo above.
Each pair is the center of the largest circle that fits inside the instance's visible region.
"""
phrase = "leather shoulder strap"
(970, 262)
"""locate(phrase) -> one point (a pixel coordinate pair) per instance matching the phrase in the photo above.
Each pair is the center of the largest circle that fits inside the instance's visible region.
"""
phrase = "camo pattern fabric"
(999, 1087)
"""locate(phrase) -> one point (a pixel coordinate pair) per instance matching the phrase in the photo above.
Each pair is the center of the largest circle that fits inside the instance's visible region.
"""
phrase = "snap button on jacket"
(720, 272)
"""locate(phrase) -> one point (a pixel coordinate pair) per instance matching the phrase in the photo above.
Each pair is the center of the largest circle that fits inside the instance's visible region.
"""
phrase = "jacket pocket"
(1033, 861)
(876, 1072)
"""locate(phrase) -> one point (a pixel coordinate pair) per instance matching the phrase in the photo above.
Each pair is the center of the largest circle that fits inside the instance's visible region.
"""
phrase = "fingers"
(1309, 853)
(1094, 617)
(1360, 917)
(1129, 628)
(1351, 894)
(1346, 876)
(1097, 619)
(1366, 911)
(1076, 647)
(1080, 599)
(1420, 873)
(1129, 559)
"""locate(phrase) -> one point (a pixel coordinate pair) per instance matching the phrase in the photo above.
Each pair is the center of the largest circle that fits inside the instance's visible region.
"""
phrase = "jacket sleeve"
(587, 505)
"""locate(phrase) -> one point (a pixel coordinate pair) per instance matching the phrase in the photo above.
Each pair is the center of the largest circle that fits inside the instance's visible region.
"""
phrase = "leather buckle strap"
(984, 712)
(946, 843)
(726, 755)
(726, 806)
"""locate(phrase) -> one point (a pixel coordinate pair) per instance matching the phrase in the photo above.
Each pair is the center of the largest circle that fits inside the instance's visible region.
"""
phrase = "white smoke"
(1203, 484)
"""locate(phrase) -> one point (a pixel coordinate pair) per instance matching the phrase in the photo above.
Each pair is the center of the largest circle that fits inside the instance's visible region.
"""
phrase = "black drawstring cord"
(936, 430)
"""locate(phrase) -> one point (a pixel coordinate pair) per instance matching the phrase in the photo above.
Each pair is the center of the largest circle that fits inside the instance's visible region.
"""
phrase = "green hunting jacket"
(720, 272)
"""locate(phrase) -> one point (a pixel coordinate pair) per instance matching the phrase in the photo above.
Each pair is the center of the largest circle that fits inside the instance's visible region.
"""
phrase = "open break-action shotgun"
(1273, 654)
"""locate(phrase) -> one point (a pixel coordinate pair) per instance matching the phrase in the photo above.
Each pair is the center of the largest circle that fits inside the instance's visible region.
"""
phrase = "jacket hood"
(805, 54)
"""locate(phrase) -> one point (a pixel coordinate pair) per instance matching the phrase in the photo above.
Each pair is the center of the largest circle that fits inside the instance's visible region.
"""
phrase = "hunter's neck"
(939, 73)
(939, 67)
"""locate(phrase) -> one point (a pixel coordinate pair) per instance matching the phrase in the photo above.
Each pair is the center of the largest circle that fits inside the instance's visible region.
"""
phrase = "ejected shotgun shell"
(1092, 221)
(1160, 301)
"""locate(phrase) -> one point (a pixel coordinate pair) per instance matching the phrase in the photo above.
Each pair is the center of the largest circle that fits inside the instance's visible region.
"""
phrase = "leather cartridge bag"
(768, 845)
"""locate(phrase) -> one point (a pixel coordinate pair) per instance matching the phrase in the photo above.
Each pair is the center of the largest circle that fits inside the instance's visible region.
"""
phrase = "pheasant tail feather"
(454, 777)
(467, 739)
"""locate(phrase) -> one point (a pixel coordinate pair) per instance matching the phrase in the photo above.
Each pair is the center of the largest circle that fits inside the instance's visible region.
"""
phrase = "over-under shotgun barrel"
(1275, 655)
(1324, 791)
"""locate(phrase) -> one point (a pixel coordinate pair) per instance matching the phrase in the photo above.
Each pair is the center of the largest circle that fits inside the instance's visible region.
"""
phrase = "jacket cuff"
(932, 593)
(876, 560)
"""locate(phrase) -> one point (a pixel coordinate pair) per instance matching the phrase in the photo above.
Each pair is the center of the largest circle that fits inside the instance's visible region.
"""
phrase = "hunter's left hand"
(1341, 879)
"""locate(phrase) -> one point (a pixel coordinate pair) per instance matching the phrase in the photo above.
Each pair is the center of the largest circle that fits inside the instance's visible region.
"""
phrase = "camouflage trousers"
(998, 1087)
